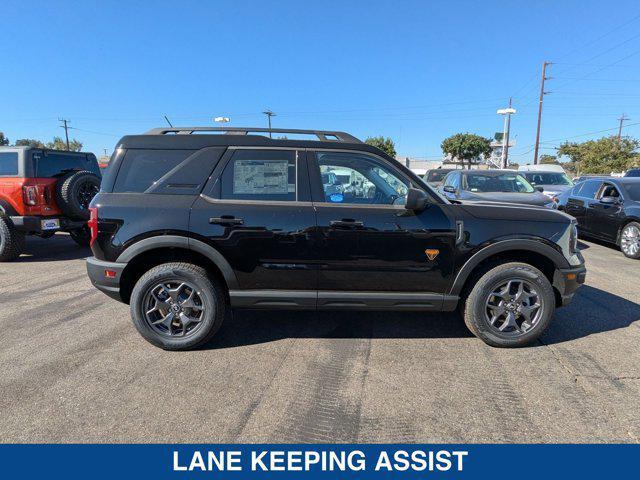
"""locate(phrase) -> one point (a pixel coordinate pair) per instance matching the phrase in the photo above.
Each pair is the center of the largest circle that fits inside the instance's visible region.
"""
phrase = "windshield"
(506, 182)
(634, 191)
(436, 175)
(548, 178)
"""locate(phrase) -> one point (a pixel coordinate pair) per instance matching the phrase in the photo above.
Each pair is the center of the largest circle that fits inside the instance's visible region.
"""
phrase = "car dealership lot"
(75, 369)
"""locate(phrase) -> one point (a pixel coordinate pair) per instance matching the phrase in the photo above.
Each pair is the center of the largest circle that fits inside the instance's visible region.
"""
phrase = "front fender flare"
(531, 245)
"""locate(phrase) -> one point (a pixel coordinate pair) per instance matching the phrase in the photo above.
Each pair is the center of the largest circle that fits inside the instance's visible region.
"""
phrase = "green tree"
(59, 144)
(548, 160)
(603, 156)
(3, 140)
(29, 142)
(466, 147)
(383, 143)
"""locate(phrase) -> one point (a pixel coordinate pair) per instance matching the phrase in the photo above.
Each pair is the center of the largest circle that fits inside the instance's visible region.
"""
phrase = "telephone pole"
(269, 114)
(622, 119)
(66, 129)
(542, 94)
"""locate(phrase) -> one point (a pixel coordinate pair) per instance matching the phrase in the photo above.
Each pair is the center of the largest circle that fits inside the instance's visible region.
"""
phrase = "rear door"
(367, 240)
(256, 211)
(579, 202)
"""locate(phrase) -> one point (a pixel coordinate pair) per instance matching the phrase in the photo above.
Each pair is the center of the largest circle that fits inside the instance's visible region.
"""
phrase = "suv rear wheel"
(11, 240)
(510, 305)
(630, 240)
(176, 306)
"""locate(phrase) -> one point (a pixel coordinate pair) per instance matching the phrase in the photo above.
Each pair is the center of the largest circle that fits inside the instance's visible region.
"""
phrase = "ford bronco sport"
(191, 222)
(44, 191)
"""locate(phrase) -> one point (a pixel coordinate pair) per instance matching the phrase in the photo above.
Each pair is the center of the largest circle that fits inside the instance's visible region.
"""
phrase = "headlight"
(573, 238)
(553, 205)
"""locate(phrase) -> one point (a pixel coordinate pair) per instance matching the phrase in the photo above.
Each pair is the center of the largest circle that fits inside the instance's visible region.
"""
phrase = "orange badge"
(432, 253)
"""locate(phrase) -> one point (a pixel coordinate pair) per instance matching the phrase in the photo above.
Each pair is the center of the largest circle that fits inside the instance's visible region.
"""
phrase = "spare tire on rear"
(75, 191)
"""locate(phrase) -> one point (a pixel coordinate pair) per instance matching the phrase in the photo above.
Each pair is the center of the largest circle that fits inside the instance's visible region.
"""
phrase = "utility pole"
(269, 114)
(542, 94)
(507, 112)
(622, 119)
(66, 129)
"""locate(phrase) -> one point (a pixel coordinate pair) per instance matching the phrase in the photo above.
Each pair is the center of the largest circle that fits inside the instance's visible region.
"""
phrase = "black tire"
(75, 191)
(82, 236)
(211, 300)
(629, 240)
(480, 300)
(11, 240)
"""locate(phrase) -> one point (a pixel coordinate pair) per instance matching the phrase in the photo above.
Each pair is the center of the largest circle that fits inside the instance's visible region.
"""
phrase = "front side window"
(8, 163)
(505, 182)
(609, 190)
(360, 179)
(260, 175)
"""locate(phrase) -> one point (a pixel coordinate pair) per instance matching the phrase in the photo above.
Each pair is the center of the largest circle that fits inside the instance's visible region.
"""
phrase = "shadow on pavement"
(60, 247)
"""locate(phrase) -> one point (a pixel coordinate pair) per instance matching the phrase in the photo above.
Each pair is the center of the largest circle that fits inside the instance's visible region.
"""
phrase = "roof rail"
(323, 135)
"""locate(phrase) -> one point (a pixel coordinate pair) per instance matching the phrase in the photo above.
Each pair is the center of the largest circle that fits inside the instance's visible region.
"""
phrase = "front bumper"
(105, 276)
(567, 281)
(32, 224)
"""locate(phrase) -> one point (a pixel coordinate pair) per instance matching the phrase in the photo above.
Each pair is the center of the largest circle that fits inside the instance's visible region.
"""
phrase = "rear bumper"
(109, 285)
(568, 280)
(32, 224)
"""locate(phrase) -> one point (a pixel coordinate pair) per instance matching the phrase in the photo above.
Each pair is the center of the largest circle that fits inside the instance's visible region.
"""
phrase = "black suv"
(192, 222)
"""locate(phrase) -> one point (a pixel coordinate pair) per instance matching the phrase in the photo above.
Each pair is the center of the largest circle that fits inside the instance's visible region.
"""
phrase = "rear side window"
(8, 164)
(53, 164)
(260, 175)
(141, 169)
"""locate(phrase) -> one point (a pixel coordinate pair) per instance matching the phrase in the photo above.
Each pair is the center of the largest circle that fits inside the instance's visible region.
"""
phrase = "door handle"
(346, 222)
(226, 220)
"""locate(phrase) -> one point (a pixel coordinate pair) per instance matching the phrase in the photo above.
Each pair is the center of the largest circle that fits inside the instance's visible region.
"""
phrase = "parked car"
(42, 192)
(608, 209)
(541, 167)
(582, 178)
(505, 186)
(552, 183)
(435, 177)
(186, 227)
(632, 172)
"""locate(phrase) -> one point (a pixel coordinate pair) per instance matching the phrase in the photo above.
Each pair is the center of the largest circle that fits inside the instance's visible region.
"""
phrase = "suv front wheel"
(510, 305)
(176, 306)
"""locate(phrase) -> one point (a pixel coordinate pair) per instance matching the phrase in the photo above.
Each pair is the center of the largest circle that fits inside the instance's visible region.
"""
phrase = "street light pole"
(507, 112)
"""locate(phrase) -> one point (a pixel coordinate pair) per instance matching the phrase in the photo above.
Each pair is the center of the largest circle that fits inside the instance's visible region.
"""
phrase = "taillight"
(93, 224)
(30, 193)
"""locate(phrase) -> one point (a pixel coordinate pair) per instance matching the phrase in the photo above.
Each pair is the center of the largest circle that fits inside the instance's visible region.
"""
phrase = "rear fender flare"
(535, 246)
(177, 241)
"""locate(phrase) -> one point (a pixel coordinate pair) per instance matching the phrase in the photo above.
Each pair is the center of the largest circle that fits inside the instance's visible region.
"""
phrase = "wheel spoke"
(528, 310)
(510, 321)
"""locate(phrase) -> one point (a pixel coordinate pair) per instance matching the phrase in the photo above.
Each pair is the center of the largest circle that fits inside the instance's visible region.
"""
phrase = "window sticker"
(260, 177)
(336, 198)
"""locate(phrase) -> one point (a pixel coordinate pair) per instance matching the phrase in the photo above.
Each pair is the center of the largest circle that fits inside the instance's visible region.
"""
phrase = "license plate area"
(50, 224)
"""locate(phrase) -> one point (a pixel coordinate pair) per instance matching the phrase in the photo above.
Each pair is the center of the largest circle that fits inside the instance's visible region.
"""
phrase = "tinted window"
(140, 169)
(504, 182)
(548, 178)
(260, 175)
(589, 188)
(53, 164)
(436, 175)
(9, 163)
(634, 172)
(361, 179)
(633, 190)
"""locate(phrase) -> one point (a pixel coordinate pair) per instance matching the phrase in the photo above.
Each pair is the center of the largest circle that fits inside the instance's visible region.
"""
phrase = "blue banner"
(318, 461)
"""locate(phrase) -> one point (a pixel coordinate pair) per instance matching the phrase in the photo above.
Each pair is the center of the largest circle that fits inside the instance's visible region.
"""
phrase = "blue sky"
(416, 71)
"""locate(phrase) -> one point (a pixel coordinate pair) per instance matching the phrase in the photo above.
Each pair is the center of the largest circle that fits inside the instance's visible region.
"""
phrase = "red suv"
(42, 192)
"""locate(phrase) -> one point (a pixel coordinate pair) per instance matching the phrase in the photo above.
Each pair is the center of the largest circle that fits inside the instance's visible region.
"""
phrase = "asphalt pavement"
(74, 369)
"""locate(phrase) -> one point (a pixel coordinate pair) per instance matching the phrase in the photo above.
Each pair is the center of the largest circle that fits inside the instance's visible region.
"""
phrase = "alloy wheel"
(630, 240)
(513, 307)
(174, 308)
(86, 192)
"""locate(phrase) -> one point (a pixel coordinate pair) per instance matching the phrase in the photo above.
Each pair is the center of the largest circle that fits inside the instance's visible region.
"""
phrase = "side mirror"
(449, 189)
(610, 200)
(416, 200)
(540, 189)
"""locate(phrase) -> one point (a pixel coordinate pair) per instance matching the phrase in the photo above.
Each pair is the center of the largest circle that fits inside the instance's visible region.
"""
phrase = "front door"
(605, 219)
(257, 213)
(578, 203)
(367, 241)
